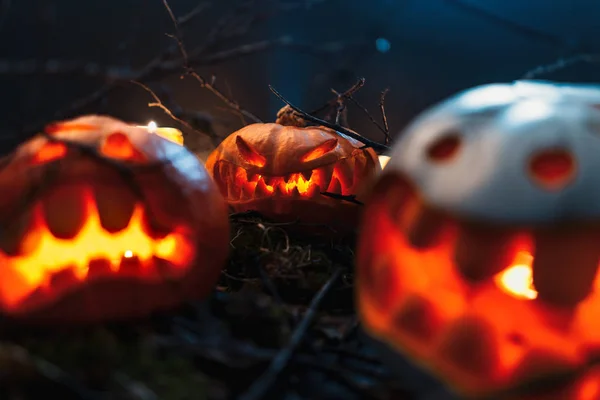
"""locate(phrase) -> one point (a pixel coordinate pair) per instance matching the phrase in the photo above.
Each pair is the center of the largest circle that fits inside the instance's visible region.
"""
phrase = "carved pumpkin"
(480, 244)
(102, 220)
(281, 170)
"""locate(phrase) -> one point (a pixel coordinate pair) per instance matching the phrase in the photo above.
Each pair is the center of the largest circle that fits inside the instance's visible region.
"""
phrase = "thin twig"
(386, 127)
(560, 64)
(158, 103)
(262, 385)
(178, 33)
(210, 86)
(369, 143)
(349, 198)
(349, 92)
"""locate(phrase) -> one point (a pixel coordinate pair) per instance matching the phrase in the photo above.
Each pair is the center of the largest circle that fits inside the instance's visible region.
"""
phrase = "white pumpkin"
(497, 132)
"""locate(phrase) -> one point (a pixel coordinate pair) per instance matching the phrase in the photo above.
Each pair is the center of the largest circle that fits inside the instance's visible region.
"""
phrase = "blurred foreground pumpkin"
(281, 170)
(480, 244)
(102, 220)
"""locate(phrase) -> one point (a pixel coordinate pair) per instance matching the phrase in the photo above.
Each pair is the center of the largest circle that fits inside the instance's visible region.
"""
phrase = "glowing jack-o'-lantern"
(480, 245)
(281, 169)
(102, 220)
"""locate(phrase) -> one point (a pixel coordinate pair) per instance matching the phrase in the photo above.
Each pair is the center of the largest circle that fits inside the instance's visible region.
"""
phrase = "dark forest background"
(55, 53)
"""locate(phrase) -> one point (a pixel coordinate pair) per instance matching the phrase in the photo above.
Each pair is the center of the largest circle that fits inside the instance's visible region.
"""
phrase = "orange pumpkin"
(281, 170)
(102, 220)
(480, 245)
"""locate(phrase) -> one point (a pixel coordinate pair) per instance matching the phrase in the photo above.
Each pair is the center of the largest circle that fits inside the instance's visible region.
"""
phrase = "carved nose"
(553, 169)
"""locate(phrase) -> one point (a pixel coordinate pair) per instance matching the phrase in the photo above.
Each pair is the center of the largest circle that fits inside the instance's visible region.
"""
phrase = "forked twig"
(189, 70)
(346, 131)
(158, 103)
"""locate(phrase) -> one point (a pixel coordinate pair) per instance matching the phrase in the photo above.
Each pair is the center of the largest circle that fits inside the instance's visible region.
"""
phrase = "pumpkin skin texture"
(480, 242)
(280, 171)
(118, 225)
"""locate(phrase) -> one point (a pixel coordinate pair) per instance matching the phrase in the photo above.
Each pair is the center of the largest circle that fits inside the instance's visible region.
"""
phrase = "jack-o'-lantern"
(480, 242)
(281, 170)
(102, 220)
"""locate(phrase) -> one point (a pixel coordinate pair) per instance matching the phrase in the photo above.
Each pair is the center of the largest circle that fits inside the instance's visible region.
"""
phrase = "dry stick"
(351, 198)
(190, 71)
(214, 138)
(374, 145)
(386, 127)
(261, 386)
(349, 94)
(353, 89)
(158, 103)
(366, 112)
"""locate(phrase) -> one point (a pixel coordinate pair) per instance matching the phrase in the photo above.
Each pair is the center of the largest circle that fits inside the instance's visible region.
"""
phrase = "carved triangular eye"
(249, 154)
(320, 150)
(118, 145)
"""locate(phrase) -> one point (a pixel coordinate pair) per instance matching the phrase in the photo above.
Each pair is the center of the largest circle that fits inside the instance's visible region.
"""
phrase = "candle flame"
(152, 127)
(172, 134)
(383, 160)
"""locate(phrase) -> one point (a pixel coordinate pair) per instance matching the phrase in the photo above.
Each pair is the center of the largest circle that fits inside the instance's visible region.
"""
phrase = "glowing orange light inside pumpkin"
(68, 127)
(45, 254)
(250, 155)
(444, 148)
(320, 150)
(589, 388)
(295, 181)
(118, 145)
(517, 280)
(49, 152)
(553, 168)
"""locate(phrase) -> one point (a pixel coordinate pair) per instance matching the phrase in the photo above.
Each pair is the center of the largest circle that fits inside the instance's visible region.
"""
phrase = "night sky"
(422, 50)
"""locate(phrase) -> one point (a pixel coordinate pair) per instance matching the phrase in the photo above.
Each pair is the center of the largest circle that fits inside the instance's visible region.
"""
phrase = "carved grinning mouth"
(237, 185)
(47, 265)
(442, 288)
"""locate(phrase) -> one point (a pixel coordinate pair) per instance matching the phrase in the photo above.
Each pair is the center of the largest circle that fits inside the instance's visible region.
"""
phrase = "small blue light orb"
(383, 45)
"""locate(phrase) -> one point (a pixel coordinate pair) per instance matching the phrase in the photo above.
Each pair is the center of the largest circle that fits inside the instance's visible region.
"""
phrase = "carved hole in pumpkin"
(50, 151)
(249, 154)
(320, 150)
(444, 148)
(118, 145)
(43, 254)
(553, 168)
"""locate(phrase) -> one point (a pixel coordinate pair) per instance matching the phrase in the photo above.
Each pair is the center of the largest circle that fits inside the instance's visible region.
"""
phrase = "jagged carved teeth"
(237, 184)
(89, 240)
(484, 251)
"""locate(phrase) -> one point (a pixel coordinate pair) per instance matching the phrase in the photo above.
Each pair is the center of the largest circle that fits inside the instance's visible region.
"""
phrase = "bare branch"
(182, 116)
(158, 103)
(203, 82)
(178, 33)
(346, 131)
(261, 386)
(561, 64)
(384, 116)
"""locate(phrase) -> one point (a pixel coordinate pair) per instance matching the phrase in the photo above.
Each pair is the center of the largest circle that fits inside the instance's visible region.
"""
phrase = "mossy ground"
(217, 349)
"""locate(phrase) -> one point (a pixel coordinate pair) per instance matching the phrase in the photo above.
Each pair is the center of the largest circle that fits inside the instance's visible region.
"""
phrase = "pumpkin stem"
(287, 116)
